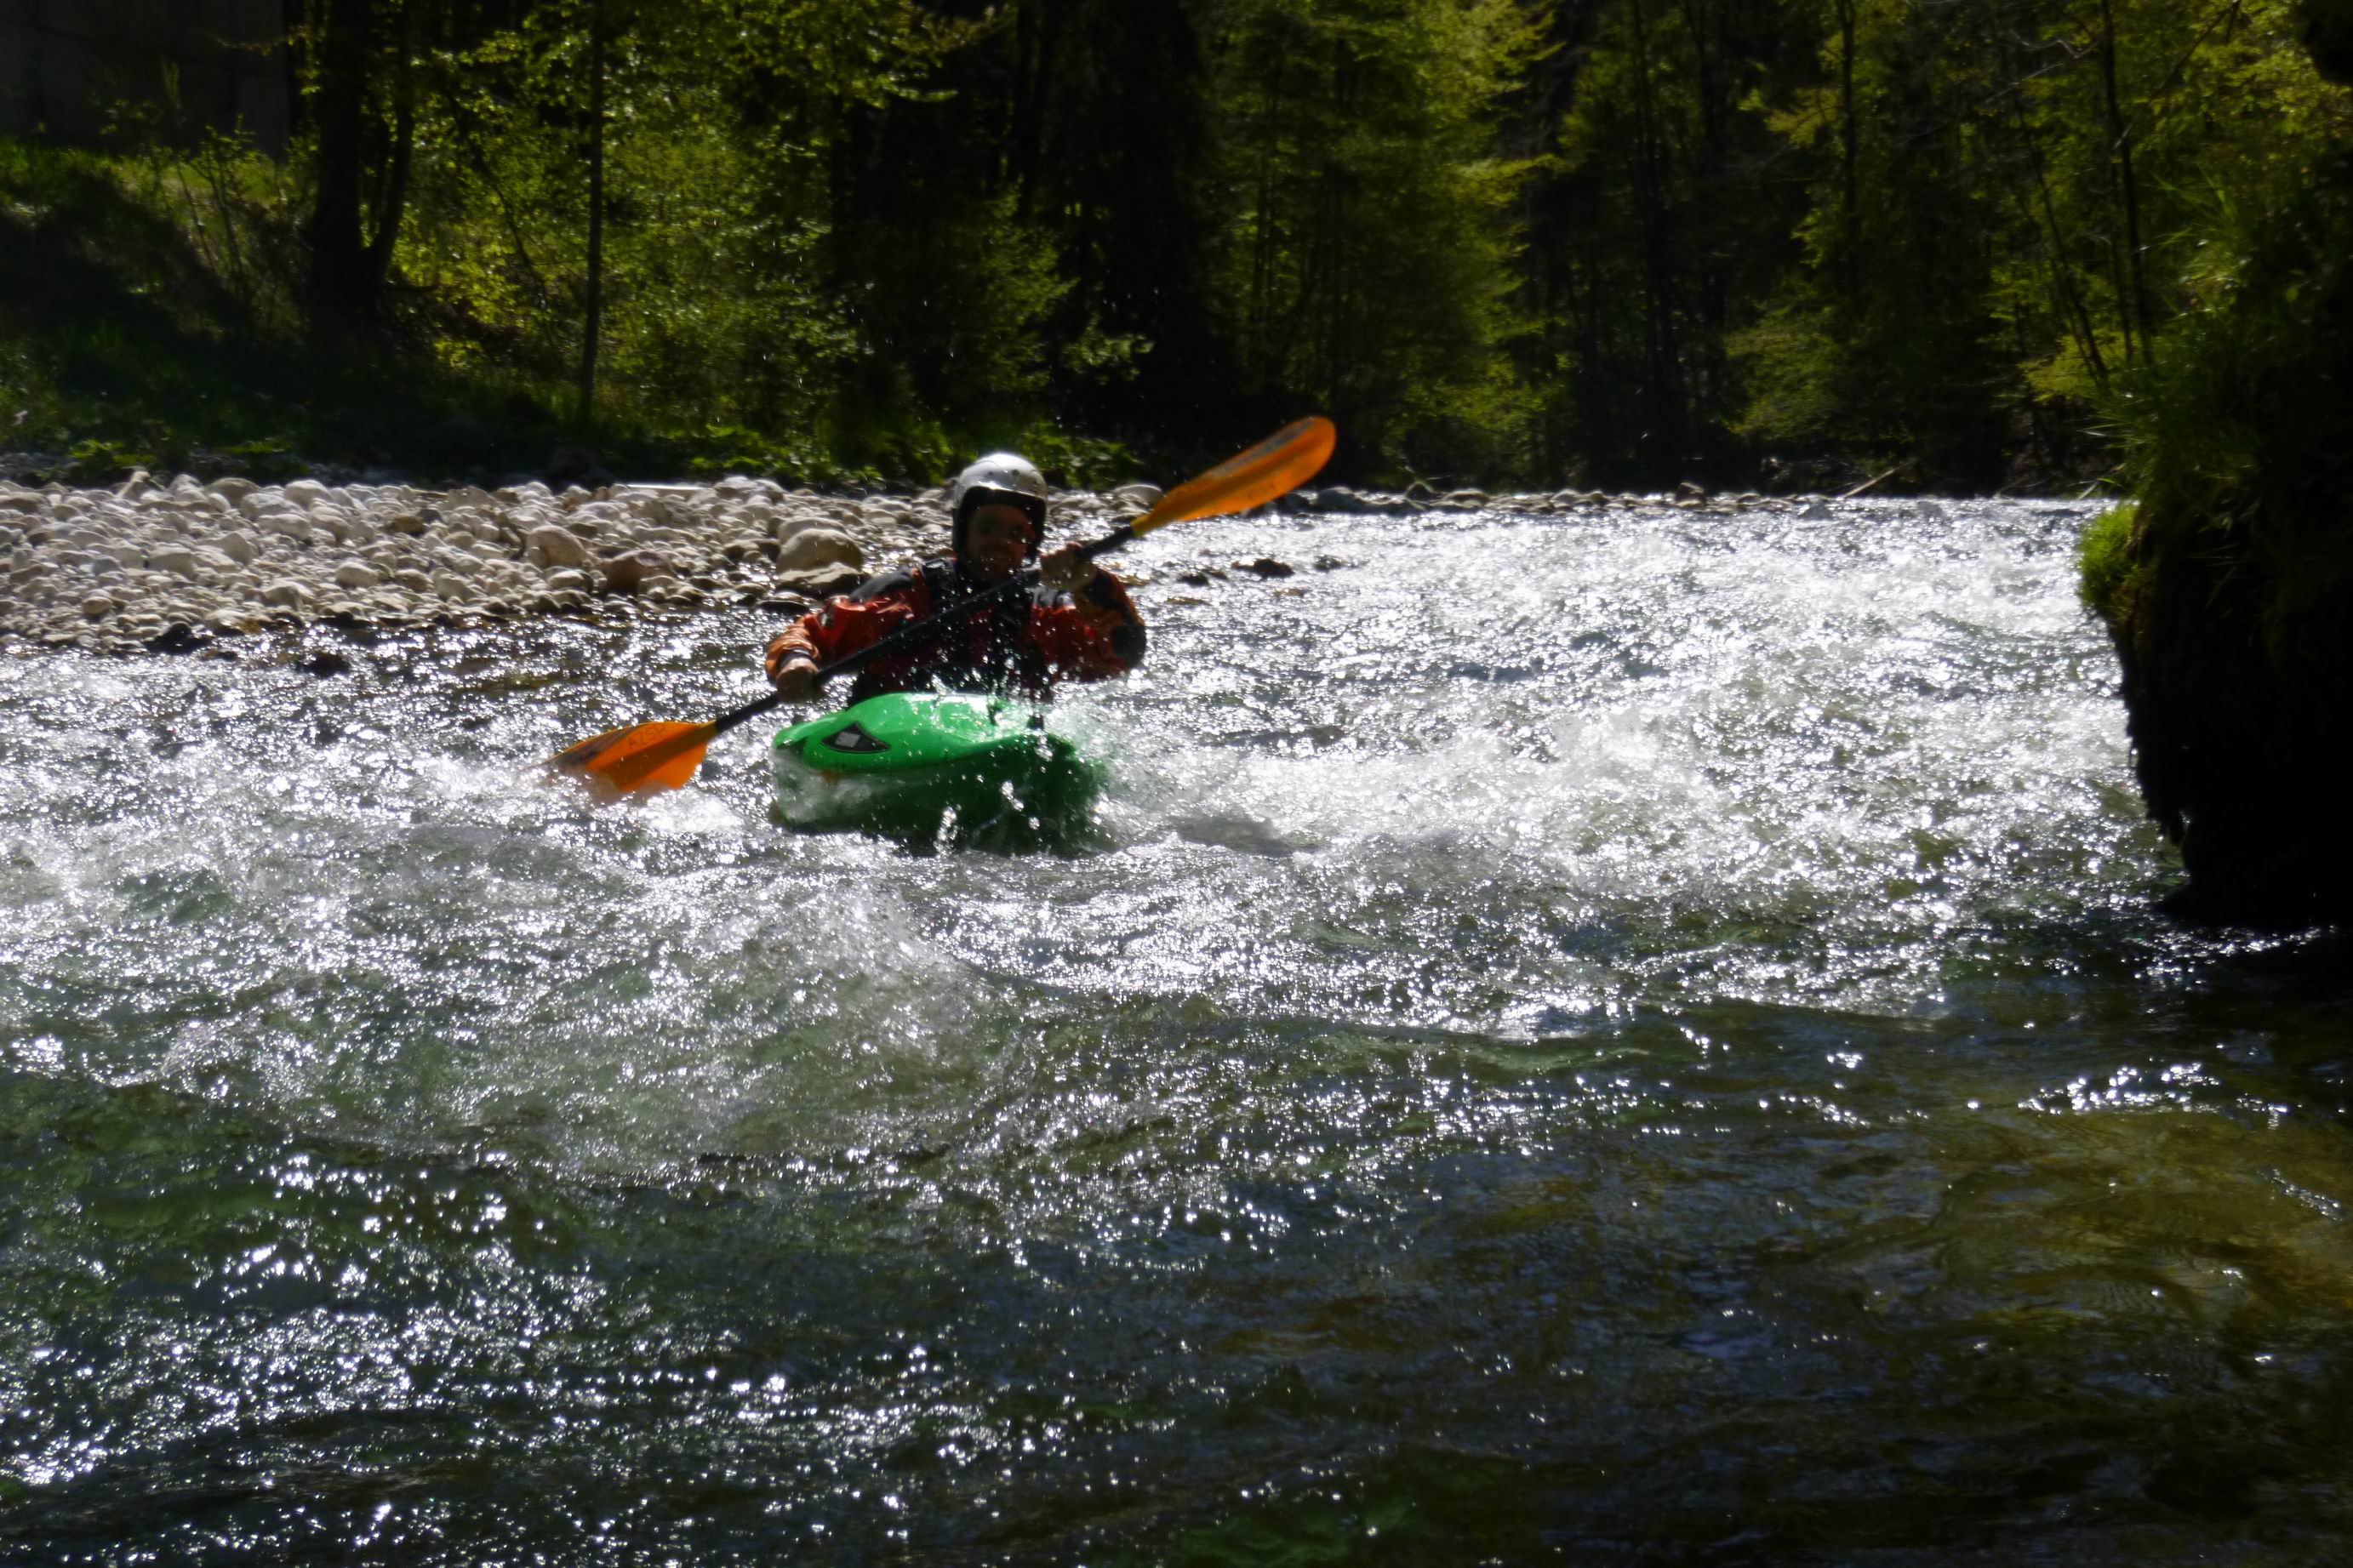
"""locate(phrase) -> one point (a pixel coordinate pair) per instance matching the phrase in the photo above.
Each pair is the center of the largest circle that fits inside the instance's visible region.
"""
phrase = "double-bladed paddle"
(664, 753)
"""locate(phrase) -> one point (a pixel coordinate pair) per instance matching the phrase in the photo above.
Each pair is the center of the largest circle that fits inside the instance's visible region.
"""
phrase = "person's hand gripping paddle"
(664, 753)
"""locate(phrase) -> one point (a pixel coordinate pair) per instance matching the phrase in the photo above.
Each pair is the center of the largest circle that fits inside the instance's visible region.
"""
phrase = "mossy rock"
(2228, 589)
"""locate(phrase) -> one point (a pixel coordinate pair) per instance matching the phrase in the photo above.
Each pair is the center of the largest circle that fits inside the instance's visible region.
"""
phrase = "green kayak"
(930, 765)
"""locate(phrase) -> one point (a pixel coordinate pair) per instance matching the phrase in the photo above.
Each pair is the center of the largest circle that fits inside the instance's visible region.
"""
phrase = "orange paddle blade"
(1275, 467)
(659, 755)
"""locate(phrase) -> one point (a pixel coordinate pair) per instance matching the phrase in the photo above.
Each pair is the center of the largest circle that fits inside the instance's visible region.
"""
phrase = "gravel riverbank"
(186, 567)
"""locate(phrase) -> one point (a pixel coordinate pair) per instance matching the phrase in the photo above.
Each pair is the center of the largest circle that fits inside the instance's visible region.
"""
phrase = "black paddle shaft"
(922, 631)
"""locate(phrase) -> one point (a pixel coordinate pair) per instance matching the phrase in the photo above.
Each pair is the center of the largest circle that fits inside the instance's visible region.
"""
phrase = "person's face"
(994, 540)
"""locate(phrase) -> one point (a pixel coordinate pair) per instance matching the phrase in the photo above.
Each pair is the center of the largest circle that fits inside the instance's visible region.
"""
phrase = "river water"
(1636, 1037)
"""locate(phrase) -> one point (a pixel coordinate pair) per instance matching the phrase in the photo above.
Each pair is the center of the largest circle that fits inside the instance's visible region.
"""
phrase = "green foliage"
(1364, 256)
(2239, 439)
(718, 449)
(1999, 193)
(1643, 240)
(1078, 462)
(1667, 223)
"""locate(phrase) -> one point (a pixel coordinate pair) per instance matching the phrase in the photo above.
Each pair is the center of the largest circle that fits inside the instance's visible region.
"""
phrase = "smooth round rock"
(552, 544)
(628, 572)
(818, 547)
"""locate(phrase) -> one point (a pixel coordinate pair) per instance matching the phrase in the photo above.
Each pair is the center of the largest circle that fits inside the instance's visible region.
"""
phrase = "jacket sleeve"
(846, 625)
(1092, 635)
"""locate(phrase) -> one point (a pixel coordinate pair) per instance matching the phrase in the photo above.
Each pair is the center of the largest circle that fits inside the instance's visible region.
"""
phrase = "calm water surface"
(1621, 1038)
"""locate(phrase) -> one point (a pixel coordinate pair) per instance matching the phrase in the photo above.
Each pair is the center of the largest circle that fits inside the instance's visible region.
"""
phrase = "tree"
(1675, 219)
(1361, 219)
(346, 266)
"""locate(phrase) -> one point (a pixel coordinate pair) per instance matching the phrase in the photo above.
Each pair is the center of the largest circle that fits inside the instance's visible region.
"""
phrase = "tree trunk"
(2135, 306)
(1037, 38)
(340, 298)
(2328, 38)
(1850, 196)
(1661, 453)
(595, 325)
(392, 195)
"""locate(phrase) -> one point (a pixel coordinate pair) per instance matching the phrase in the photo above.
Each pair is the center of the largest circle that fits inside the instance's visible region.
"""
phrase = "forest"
(1780, 244)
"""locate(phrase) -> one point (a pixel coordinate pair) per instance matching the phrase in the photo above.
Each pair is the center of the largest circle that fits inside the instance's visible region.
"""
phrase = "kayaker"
(1076, 624)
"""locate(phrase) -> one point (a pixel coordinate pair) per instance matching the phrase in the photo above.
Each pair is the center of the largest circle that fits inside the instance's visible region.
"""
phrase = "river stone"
(381, 553)
(823, 584)
(98, 607)
(552, 544)
(1144, 496)
(628, 572)
(816, 547)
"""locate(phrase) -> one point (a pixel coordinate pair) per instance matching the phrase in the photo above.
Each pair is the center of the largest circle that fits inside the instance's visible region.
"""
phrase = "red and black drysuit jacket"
(1021, 642)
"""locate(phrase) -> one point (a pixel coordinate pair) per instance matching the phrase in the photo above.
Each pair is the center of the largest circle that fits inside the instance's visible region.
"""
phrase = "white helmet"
(999, 477)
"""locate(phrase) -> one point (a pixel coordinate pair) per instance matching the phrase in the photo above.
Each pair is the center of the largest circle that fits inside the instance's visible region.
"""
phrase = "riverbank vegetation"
(2228, 587)
(1793, 242)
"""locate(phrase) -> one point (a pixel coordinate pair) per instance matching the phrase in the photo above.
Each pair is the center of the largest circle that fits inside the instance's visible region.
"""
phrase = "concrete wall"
(65, 63)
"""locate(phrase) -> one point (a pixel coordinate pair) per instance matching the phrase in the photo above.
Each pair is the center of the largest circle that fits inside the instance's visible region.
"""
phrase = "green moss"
(2103, 560)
